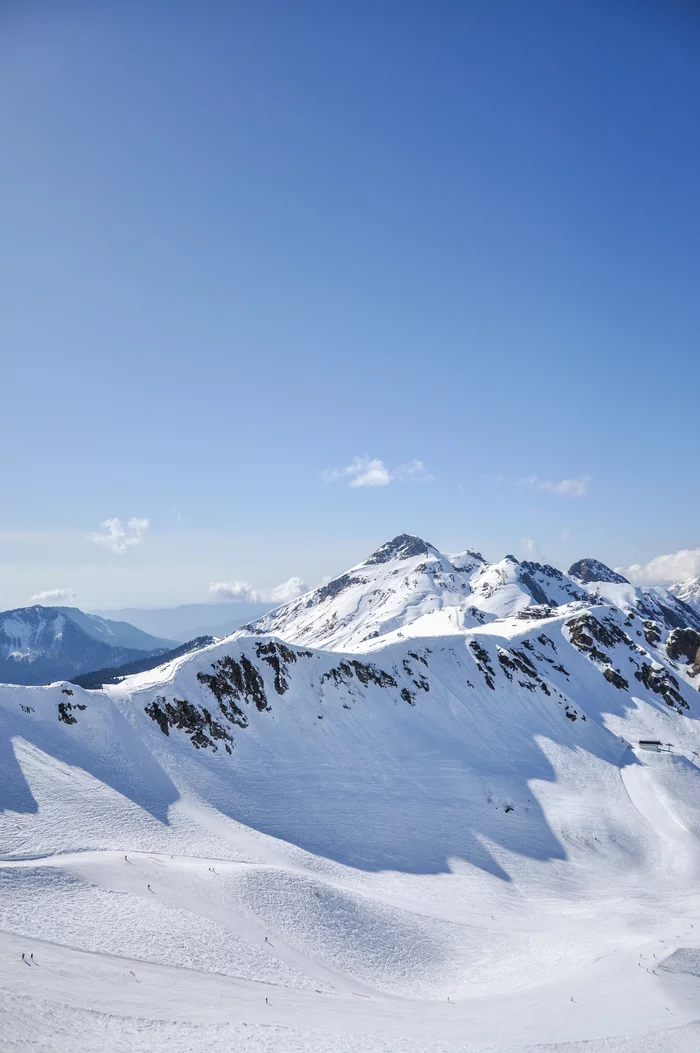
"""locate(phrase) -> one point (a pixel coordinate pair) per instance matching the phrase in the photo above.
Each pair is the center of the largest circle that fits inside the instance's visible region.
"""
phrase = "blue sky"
(249, 249)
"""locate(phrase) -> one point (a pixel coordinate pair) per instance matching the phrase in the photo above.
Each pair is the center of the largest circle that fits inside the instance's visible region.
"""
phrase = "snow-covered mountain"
(435, 831)
(403, 580)
(408, 580)
(664, 606)
(592, 570)
(688, 591)
(41, 644)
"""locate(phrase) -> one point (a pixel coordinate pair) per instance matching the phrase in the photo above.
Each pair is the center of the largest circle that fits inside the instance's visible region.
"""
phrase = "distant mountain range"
(189, 620)
(41, 644)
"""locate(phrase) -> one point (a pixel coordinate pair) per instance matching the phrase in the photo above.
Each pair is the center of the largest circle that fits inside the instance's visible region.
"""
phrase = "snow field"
(486, 845)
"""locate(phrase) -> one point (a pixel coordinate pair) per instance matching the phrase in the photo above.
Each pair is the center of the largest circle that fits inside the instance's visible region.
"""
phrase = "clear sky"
(286, 279)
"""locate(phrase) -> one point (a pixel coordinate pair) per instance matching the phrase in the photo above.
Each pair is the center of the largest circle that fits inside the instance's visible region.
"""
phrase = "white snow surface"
(445, 839)
(688, 590)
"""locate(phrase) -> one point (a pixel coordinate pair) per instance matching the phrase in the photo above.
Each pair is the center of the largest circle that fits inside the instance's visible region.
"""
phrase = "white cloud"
(415, 472)
(242, 592)
(118, 538)
(566, 533)
(232, 591)
(54, 597)
(370, 471)
(664, 570)
(531, 548)
(577, 487)
(288, 590)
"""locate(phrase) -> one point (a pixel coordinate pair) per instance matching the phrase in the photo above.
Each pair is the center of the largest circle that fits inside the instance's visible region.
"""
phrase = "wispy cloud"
(54, 597)
(370, 471)
(531, 548)
(118, 538)
(577, 487)
(664, 570)
(242, 592)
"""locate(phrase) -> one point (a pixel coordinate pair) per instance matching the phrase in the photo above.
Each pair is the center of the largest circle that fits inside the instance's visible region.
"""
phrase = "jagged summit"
(591, 570)
(404, 546)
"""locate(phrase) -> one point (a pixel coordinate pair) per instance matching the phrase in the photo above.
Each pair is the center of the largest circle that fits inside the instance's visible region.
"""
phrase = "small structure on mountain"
(649, 744)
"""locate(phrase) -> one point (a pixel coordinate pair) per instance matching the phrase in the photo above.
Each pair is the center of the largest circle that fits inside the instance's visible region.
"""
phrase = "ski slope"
(449, 841)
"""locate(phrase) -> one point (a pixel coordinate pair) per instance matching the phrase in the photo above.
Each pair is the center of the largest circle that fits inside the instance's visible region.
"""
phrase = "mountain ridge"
(40, 644)
(407, 579)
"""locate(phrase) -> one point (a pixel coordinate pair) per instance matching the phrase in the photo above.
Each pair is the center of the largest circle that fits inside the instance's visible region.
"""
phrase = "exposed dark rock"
(197, 723)
(233, 682)
(685, 643)
(512, 660)
(593, 570)
(652, 633)
(586, 628)
(616, 679)
(663, 683)
(581, 638)
(483, 663)
(404, 546)
(277, 655)
(327, 592)
(538, 595)
(542, 568)
(364, 671)
(65, 711)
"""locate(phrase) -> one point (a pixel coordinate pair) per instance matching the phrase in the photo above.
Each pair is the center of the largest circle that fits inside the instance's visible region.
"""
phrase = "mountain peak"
(403, 546)
(587, 570)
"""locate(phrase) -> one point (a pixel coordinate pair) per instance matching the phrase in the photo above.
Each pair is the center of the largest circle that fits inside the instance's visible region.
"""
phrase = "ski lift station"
(649, 744)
